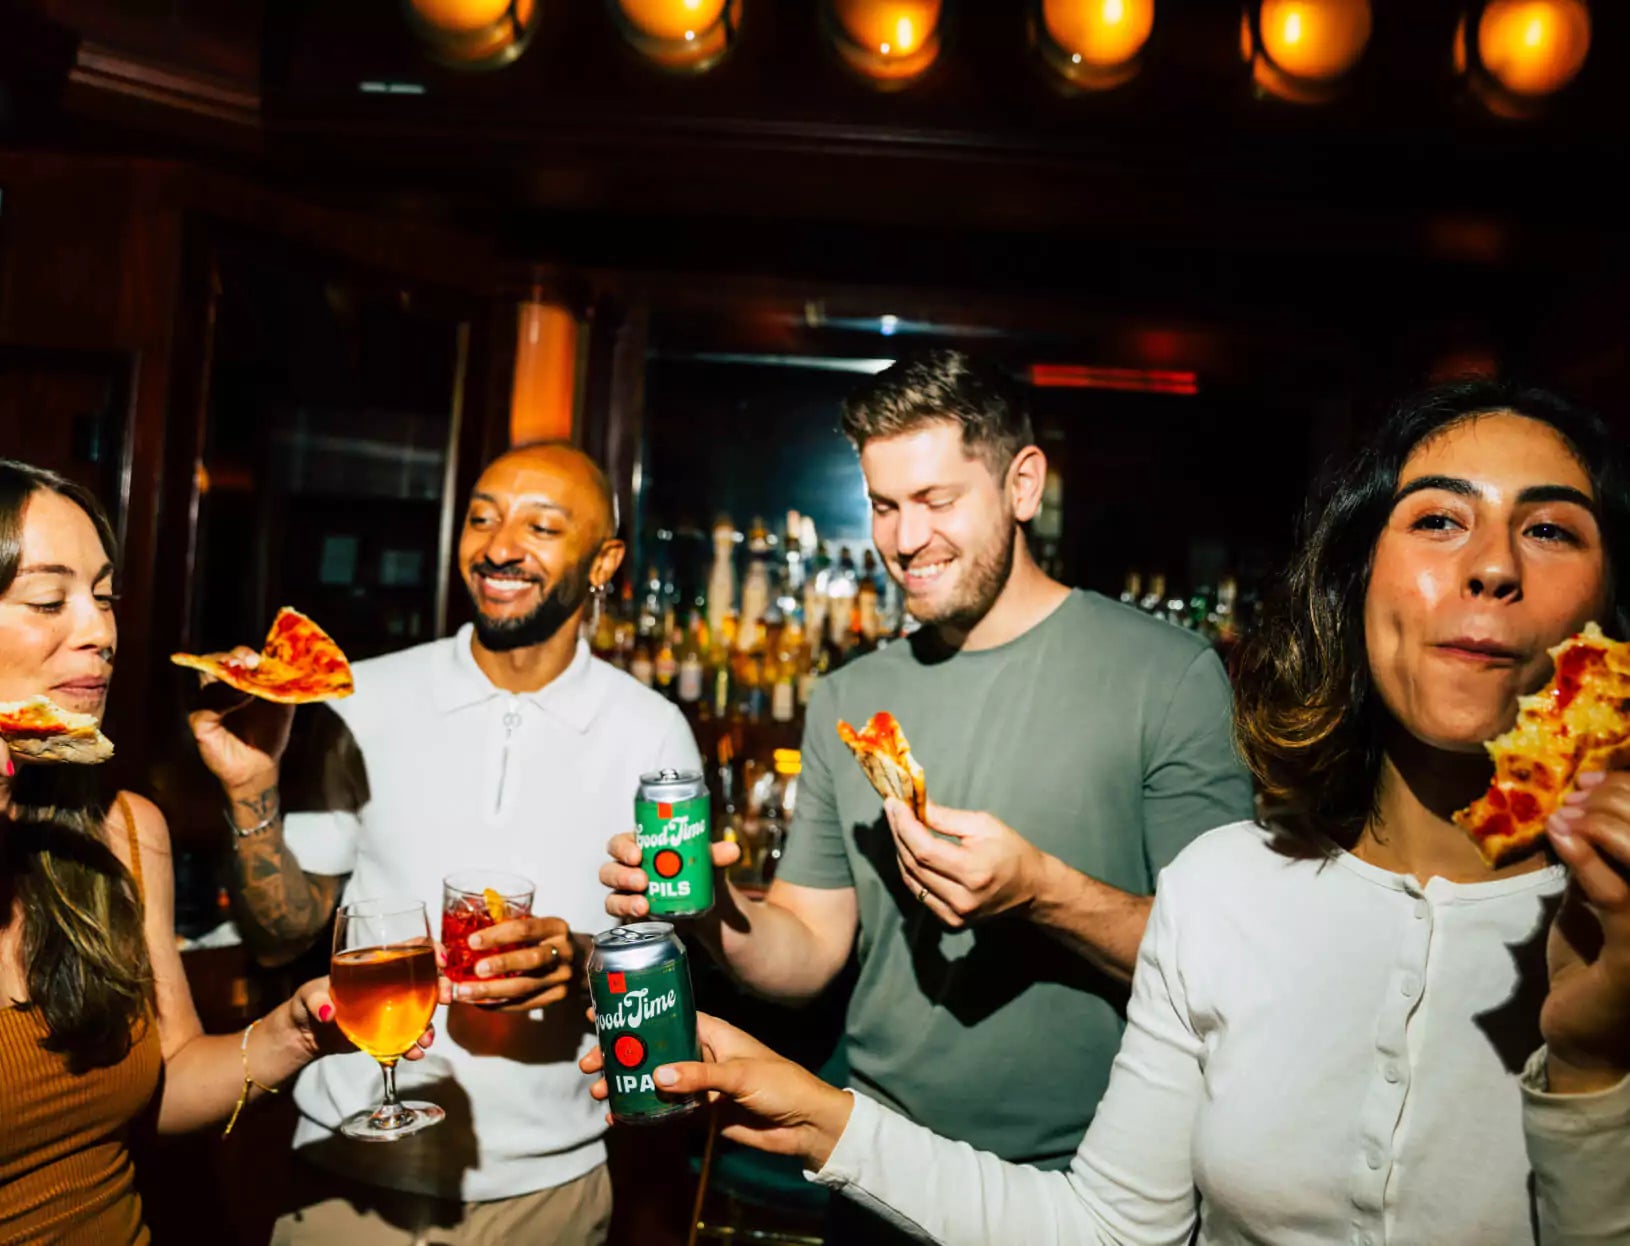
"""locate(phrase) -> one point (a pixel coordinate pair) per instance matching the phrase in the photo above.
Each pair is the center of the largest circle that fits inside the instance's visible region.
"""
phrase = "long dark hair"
(1307, 718)
(84, 951)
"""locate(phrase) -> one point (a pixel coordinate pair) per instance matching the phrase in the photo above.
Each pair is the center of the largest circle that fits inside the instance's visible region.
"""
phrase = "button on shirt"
(463, 775)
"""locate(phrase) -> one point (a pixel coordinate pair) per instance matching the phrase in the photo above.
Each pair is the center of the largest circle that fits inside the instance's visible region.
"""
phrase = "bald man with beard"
(505, 746)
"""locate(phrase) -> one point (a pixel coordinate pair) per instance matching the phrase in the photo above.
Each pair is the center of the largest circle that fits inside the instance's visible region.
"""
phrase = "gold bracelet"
(249, 1082)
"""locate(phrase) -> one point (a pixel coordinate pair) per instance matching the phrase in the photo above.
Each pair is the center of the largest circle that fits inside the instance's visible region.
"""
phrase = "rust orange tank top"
(65, 1169)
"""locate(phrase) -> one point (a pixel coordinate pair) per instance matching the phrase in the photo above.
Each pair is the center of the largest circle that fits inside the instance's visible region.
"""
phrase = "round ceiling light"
(685, 35)
(472, 34)
(1302, 50)
(1094, 44)
(890, 42)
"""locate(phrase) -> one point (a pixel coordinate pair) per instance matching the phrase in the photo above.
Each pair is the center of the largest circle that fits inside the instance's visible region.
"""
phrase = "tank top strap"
(129, 816)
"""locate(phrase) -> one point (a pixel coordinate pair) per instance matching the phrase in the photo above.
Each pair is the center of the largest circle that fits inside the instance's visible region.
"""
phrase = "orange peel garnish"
(495, 904)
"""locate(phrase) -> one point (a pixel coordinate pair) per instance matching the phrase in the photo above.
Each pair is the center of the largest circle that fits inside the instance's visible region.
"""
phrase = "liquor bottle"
(1154, 600)
(816, 601)
(648, 626)
(749, 683)
(691, 667)
(784, 684)
(866, 617)
(623, 629)
(1132, 590)
(1224, 623)
(842, 586)
(755, 588)
(641, 666)
(792, 558)
(724, 789)
(721, 581)
(719, 701)
(603, 639)
(665, 665)
(806, 671)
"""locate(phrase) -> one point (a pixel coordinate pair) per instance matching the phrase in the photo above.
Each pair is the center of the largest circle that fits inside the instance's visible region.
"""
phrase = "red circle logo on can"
(629, 1051)
(667, 863)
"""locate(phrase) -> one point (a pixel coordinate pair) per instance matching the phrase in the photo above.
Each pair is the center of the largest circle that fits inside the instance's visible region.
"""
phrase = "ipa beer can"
(676, 850)
(645, 1015)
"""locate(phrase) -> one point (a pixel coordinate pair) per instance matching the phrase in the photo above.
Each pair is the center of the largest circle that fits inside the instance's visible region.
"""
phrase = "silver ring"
(554, 952)
(922, 896)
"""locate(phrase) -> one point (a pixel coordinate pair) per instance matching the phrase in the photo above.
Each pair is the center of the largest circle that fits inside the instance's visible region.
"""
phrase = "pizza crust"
(40, 730)
(69, 749)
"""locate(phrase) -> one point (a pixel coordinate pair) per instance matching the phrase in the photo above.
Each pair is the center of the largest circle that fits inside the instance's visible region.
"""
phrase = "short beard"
(563, 599)
(988, 574)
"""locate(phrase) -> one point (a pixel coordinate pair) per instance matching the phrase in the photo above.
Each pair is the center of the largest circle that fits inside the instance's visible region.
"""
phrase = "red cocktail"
(473, 900)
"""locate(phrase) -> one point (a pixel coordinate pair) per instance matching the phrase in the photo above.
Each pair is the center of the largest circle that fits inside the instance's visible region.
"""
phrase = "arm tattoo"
(283, 905)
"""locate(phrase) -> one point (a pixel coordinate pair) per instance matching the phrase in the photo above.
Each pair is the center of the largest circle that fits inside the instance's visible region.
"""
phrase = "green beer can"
(671, 816)
(645, 1015)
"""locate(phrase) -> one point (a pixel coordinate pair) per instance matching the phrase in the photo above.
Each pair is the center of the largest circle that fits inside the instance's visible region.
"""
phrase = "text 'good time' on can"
(645, 1015)
(676, 852)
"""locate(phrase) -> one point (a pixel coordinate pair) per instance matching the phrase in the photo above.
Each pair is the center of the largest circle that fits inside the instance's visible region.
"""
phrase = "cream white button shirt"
(463, 775)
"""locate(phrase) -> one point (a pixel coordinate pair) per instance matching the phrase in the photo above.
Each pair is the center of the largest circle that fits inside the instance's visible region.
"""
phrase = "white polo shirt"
(463, 775)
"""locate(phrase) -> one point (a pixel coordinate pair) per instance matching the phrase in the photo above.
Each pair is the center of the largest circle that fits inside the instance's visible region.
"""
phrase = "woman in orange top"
(93, 998)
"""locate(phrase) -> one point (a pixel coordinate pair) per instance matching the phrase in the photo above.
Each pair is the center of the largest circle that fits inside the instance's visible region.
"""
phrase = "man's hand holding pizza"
(243, 743)
(539, 962)
(984, 868)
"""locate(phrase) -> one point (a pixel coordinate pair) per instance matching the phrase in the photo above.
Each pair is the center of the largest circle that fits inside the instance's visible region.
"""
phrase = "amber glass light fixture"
(544, 391)
(890, 42)
(1302, 50)
(1523, 51)
(684, 35)
(472, 34)
(1094, 44)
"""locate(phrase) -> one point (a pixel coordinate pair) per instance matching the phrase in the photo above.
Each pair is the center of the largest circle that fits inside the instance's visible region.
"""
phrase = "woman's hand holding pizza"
(1586, 1017)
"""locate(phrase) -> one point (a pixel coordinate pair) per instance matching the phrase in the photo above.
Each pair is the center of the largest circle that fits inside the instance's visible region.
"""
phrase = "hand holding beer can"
(645, 1015)
(671, 821)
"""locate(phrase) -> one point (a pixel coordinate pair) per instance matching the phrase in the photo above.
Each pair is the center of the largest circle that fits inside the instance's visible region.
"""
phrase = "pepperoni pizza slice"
(885, 756)
(41, 730)
(298, 663)
(1578, 722)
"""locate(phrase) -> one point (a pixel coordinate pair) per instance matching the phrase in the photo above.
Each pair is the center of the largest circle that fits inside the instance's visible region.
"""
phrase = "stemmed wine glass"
(383, 980)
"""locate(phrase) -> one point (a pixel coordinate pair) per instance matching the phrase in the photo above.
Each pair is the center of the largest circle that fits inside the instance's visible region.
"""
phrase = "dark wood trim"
(109, 71)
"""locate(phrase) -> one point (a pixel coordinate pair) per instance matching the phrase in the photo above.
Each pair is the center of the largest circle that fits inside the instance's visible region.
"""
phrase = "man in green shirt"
(991, 960)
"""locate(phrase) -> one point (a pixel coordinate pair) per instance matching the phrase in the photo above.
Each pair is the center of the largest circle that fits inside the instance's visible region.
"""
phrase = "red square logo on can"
(664, 810)
(616, 983)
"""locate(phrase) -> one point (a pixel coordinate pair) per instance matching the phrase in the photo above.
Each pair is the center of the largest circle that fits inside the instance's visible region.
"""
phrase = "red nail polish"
(325, 1012)
(11, 767)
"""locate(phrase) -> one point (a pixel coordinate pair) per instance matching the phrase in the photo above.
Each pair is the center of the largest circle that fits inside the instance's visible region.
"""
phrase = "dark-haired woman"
(97, 1026)
(1344, 1026)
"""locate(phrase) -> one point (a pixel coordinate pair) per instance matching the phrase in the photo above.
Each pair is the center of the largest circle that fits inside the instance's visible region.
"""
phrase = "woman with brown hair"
(97, 1026)
(1344, 1025)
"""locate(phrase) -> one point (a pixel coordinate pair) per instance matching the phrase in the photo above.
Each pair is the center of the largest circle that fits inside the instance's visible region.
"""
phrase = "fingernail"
(1560, 829)
(483, 968)
(462, 992)
(475, 940)
(1591, 778)
(667, 1076)
(11, 767)
(325, 1013)
(1570, 813)
(1576, 798)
